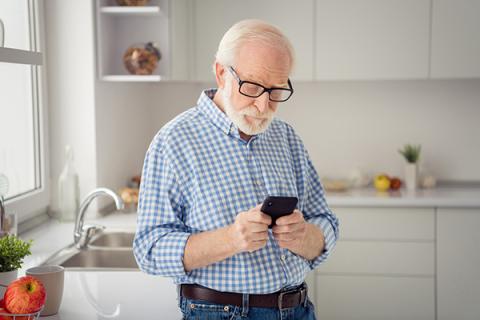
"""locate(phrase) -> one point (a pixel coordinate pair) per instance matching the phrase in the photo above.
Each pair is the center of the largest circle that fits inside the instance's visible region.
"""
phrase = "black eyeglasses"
(255, 90)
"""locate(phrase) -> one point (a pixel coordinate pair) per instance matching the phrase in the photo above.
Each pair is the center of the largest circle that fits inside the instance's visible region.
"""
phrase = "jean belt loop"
(245, 306)
(179, 296)
(305, 293)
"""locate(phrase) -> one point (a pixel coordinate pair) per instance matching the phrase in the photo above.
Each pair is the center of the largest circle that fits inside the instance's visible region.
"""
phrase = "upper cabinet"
(455, 39)
(372, 39)
(333, 39)
(213, 17)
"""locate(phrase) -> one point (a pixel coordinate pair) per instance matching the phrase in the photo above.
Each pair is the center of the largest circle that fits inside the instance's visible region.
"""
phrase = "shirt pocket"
(197, 309)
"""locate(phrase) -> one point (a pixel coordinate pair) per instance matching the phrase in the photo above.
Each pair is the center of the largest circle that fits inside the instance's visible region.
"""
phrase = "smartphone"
(277, 207)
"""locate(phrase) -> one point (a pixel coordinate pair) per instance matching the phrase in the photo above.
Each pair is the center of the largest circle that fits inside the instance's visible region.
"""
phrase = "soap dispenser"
(68, 189)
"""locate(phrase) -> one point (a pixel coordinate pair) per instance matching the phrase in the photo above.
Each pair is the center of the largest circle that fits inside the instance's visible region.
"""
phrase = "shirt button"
(283, 257)
(258, 182)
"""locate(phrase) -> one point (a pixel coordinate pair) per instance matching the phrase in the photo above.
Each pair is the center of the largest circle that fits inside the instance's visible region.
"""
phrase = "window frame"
(34, 202)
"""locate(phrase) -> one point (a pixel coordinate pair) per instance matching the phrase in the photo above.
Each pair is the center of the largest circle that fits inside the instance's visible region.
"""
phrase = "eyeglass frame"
(269, 90)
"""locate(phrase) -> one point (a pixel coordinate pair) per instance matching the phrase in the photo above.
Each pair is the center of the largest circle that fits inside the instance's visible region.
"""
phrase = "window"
(22, 107)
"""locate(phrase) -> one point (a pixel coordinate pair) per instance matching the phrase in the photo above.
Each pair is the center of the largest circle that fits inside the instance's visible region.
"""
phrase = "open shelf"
(144, 11)
(120, 27)
(132, 78)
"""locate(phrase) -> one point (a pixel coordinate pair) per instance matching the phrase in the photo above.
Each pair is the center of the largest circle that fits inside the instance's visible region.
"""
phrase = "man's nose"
(262, 102)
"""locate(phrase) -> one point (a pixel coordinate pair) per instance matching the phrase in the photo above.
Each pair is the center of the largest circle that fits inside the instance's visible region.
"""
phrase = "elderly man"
(205, 176)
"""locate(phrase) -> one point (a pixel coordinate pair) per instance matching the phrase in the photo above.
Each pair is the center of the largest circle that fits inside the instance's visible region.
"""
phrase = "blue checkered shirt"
(198, 174)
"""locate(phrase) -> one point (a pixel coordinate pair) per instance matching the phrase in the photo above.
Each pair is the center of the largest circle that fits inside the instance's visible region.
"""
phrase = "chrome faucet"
(81, 233)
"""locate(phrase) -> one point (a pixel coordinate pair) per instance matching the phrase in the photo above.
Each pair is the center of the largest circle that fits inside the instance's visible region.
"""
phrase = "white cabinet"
(372, 39)
(181, 40)
(333, 40)
(458, 266)
(382, 268)
(120, 27)
(348, 297)
(455, 39)
(213, 17)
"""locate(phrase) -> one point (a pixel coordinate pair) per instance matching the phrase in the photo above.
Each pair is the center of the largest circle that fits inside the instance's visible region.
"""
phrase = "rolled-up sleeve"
(161, 235)
(317, 212)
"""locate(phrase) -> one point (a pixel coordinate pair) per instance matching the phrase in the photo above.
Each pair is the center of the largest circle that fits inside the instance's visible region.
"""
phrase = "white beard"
(254, 127)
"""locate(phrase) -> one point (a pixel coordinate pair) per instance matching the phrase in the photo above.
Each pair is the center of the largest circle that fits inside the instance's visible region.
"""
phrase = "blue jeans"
(200, 310)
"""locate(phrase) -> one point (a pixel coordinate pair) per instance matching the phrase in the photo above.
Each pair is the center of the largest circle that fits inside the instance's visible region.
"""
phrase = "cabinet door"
(180, 40)
(386, 224)
(214, 17)
(372, 39)
(372, 297)
(455, 39)
(381, 257)
(458, 264)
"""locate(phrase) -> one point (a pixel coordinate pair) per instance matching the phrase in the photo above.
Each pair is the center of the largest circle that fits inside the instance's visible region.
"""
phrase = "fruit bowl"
(23, 316)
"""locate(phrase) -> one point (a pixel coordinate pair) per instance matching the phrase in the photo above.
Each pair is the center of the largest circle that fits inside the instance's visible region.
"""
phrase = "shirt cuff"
(168, 255)
(330, 240)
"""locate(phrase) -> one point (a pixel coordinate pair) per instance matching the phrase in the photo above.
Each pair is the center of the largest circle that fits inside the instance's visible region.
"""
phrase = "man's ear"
(220, 75)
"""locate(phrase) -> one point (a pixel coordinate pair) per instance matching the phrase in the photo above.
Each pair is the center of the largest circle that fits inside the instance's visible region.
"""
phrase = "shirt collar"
(217, 116)
(213, 112)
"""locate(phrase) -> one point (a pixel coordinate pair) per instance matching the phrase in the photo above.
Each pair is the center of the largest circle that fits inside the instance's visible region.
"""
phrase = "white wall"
(349, 124)
(123, 126)
(345, 124)
(71, 90)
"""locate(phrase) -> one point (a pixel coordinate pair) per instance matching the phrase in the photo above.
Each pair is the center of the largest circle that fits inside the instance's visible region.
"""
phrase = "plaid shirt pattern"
(198, 174)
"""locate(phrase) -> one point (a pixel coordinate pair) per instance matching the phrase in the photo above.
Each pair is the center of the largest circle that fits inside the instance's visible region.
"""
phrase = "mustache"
(253, 112)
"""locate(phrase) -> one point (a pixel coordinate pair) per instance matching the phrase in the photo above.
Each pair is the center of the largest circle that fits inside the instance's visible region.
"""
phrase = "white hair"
(251, 30)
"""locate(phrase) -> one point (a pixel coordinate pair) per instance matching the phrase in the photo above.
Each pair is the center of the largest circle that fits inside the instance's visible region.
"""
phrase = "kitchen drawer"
(386, 258)
(386, 223)
(370, 298)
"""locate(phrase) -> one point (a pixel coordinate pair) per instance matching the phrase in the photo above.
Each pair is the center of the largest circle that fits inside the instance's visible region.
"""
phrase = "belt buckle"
(303, 294)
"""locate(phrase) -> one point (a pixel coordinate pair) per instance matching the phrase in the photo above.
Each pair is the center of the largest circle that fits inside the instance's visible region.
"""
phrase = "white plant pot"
(411, 176)
(5, 279)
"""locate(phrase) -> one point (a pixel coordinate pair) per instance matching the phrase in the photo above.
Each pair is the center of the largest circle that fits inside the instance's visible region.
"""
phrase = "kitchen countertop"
(102, 294)
(439, 197)
(135, 295)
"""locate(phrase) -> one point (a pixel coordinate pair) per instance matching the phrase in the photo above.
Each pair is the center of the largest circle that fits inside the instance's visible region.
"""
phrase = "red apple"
(25, 295)
(395, 183)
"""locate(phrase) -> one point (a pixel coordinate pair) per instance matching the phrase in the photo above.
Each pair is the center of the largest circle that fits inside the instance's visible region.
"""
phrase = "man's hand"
(250, 230)
(292, 232)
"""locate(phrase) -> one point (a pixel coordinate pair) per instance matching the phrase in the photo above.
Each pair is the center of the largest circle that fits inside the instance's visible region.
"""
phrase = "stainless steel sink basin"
(97, 259)
(122, 259)
(117, 239)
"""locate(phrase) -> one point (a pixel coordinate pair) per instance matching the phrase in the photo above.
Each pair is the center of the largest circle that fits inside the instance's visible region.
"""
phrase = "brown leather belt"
(280, 299)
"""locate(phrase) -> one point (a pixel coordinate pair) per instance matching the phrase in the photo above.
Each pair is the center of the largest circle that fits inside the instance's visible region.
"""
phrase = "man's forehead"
(264, 76)
(259, 61)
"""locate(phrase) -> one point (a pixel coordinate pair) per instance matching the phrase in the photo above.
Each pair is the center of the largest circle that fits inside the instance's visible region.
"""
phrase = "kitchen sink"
(118, 259)
(110, 239)
(95, 259)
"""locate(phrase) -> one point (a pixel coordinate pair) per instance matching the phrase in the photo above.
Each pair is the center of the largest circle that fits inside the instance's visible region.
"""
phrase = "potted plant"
(12, 252)
(412, 155)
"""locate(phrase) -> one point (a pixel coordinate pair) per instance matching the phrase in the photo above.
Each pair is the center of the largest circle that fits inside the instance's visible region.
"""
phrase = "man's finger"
(289, 228)
(295, 217)
(260, 217)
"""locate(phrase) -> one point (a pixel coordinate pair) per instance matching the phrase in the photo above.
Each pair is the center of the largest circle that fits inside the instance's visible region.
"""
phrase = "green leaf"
(411, 153)
(12, 252)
